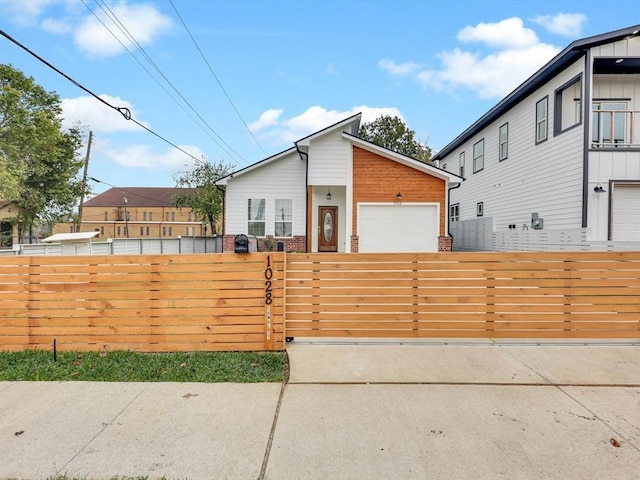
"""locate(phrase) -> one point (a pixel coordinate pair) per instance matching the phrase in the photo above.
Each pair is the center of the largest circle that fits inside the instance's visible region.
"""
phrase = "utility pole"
(84, 182)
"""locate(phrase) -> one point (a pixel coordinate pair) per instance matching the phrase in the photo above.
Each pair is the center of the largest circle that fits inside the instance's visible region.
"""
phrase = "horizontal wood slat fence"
(147, 303)
(253, 301)
(489, 295)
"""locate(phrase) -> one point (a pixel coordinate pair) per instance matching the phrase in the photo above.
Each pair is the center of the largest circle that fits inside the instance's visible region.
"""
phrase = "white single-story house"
(334, 192)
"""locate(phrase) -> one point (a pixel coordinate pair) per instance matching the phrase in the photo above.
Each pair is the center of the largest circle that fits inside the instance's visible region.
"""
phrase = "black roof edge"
(288, 149)
(566, 56)
(352, 117)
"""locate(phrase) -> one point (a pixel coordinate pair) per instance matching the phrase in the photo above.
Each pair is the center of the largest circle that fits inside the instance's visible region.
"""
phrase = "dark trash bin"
(281, 246)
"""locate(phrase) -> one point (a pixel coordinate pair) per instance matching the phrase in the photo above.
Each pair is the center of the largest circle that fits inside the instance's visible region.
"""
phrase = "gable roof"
(403, 159)
(261, 163)
(353, 124)
(137, 197)
(567, 56)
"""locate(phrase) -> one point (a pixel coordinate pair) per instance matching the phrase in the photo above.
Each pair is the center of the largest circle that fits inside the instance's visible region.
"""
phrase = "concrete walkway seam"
(482, 384)
(620, 435)
(272, 433)
(61, 471)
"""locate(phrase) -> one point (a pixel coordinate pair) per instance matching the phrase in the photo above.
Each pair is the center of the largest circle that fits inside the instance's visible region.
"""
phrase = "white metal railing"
(615, 128)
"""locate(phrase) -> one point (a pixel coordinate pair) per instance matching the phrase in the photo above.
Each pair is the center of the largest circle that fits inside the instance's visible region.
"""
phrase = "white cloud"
(24, 12)
(284, 132)
(267, 119)
(143, 21)
(398, 68)
(509, 33)
(493, 75)
(56, 25)
(97, 116)
(144, 157)
(511, 54)
(567, 24)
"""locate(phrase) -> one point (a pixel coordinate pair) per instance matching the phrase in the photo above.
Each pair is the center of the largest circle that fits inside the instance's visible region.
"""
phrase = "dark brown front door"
(328, 231)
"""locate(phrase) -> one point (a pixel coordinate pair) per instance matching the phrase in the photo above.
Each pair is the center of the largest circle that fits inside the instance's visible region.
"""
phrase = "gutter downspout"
(449, 211)
(306, 196)
(586, 108)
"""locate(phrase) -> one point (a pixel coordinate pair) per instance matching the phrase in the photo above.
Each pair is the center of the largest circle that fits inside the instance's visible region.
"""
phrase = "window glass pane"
(256, 209)
(256, 216)
(541, 120)
(478, 156)
(504, 137)
(256, 229)
(609, 125)
(283, 218)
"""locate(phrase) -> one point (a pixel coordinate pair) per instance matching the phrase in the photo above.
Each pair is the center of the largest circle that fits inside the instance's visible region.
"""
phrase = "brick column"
(444, 244)
(354, 243)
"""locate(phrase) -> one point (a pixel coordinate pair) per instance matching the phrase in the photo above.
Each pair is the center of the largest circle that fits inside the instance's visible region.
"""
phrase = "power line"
(124, 111)
(151, 75)
(216, 77)
(113, 17)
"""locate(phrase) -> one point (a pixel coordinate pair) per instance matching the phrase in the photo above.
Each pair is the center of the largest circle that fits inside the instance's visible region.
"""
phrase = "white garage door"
(398, 228)
(626, 213)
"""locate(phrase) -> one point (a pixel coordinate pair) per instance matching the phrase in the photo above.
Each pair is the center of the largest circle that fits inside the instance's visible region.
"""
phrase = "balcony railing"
(615, 129)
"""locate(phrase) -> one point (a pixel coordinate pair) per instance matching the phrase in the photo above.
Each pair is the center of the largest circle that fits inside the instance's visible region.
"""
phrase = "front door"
(328, 231)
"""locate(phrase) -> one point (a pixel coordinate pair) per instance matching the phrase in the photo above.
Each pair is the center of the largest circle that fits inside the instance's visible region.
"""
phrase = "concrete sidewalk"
(456, 411)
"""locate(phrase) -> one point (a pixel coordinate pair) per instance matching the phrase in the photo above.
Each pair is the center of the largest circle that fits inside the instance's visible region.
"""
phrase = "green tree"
(39, 161)
(392, 133)
(204, 198)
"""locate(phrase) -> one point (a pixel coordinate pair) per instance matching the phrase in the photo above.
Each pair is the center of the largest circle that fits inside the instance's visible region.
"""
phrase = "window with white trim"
(256, 217)
(504, 142)
(454, 212)
(461, 161)
(478, 156)
(541, 119)
(284, 218)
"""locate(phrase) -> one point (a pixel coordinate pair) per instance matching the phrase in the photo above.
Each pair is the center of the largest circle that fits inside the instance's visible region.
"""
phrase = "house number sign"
(268, 294)
(268, 275)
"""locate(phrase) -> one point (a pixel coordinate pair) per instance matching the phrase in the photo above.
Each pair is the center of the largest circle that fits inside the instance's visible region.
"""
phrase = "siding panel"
(281, 179)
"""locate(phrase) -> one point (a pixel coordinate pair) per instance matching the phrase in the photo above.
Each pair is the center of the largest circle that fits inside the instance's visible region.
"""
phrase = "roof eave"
(403, 159)
(571, 53)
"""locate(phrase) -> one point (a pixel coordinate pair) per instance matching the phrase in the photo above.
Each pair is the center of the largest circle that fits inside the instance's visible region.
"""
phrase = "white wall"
(544, 178)
(329, 156)
(281, 178)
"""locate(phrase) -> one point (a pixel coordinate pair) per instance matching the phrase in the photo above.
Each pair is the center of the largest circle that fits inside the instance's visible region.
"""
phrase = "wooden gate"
(491, 295)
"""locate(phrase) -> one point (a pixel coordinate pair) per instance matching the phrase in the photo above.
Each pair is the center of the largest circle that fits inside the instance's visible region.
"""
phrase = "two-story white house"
(555, 165)
(334, 192)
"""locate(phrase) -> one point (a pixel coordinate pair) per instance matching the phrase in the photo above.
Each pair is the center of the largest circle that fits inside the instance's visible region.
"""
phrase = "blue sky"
(240, 81)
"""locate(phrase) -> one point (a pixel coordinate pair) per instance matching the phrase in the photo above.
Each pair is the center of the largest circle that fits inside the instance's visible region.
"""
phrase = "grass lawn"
(210, 367)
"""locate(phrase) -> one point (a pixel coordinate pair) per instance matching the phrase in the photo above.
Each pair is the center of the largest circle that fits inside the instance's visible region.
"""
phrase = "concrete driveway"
(461, 410)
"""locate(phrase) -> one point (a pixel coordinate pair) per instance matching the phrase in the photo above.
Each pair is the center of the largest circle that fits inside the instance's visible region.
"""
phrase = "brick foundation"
(355, 243)
(444, 244)
(291, 244)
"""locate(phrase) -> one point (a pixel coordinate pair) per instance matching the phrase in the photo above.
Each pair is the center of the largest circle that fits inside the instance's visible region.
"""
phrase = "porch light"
(599, 189)
(399, 196)
(329, 194)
